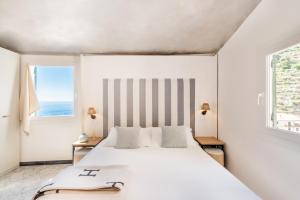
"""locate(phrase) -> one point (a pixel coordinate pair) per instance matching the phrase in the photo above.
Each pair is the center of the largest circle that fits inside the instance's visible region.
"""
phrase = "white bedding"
(164, 173)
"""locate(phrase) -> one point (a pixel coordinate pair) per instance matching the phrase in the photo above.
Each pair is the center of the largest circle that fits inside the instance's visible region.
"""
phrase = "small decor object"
(204, 108)
(92, 112)
(83, 138)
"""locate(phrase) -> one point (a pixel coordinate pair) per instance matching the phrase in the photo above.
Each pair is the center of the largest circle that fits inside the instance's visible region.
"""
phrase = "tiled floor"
(22, 183)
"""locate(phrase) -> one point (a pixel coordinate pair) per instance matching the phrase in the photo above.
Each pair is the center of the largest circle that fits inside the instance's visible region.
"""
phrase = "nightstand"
(205, 142)
(213, 147)
(91, 143)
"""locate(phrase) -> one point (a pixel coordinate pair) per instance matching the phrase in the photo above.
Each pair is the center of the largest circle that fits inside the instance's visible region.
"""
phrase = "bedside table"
(91, 143)
(210, 142)
(213, 147)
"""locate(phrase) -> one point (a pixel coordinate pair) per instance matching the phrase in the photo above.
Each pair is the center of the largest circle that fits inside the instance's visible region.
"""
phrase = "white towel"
(28, 100)
(86, 179)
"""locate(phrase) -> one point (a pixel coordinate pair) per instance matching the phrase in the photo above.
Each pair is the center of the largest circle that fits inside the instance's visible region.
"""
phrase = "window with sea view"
(55, 90)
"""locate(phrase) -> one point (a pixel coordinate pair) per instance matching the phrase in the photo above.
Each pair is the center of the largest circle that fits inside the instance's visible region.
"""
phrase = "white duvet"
(163, 174)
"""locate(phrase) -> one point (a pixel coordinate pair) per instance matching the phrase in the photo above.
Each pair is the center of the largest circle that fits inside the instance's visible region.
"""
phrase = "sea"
(56, 108)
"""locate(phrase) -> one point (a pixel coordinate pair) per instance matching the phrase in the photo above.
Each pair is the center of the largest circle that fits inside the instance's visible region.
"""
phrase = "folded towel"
(86, 178)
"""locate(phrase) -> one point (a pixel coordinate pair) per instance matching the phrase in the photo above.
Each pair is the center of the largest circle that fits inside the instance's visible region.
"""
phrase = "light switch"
(260, 99)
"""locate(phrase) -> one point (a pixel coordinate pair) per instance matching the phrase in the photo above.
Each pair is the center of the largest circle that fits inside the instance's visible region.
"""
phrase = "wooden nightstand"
(92, 142)
(210, 142)
(213, 147)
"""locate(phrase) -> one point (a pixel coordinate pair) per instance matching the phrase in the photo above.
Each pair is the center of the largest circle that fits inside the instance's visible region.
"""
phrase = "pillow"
(146, 137)
(111, 139)
(151, 136)
(190, 139)
(174, 137)
(127, 138)
(156, 136)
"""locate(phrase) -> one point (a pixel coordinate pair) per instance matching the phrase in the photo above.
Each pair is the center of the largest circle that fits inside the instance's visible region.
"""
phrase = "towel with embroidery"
(87, 178)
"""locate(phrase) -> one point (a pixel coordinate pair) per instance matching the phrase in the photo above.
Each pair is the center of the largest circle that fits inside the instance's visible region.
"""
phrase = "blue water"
(56, 109)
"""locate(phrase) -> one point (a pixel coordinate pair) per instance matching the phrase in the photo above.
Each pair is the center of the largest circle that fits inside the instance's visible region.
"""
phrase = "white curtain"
(28, 100)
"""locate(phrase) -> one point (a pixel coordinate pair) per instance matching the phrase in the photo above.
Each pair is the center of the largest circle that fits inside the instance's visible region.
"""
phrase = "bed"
(163, 173)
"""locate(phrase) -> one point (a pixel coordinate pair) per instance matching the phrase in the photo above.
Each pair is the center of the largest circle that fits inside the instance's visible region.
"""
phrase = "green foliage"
(287, 64)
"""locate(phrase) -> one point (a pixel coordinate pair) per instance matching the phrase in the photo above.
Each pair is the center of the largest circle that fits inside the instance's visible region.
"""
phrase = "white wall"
(9, 126)
(51, 139)
(203, 68)
(266, 160)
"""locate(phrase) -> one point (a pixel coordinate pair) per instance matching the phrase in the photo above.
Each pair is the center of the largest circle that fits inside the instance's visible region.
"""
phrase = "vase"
(83, 137)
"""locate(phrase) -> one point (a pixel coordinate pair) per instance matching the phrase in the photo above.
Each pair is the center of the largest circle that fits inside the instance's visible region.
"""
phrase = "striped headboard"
(147, 102)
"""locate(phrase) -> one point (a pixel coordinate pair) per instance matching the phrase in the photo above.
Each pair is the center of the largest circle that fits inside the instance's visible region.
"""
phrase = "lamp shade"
(205, 107)
(92, 111)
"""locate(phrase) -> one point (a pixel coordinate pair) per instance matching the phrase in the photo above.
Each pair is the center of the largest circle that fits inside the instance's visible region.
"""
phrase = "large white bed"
(162, 173)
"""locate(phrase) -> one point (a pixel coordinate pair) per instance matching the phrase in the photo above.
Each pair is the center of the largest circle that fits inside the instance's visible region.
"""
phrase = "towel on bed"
(85, 178)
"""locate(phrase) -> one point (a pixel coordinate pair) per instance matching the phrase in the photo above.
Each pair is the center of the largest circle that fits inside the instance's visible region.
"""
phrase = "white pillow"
(174, 137)
(146, 137)
(128, 138)
(111, 139)
(157, 137)
(190, 139)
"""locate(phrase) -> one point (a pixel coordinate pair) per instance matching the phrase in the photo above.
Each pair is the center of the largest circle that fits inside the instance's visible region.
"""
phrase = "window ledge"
(53, 118)
(284, 132)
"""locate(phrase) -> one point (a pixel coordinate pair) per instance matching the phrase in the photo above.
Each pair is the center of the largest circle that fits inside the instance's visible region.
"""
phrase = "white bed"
(163, 173)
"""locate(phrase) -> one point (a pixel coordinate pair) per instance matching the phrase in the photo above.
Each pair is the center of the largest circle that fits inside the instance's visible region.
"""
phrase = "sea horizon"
(56, 108)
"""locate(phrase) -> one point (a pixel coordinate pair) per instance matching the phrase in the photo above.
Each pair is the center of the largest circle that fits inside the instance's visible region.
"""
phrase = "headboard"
(147, 102)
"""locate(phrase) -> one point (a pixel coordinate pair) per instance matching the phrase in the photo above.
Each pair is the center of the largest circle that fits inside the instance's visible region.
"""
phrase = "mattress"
(164, 173)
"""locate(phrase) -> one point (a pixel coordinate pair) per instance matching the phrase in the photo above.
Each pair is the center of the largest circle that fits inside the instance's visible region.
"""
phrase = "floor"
(23, 182)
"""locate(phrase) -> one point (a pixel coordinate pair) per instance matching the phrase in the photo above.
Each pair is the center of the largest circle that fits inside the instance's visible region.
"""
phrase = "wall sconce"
(204, 108)
(92, 112)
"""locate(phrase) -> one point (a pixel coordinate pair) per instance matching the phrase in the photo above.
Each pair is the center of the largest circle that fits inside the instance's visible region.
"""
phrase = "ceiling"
(120, 26)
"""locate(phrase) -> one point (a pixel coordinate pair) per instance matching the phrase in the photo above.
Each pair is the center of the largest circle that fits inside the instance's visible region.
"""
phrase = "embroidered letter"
(114, 183)
(89, 172)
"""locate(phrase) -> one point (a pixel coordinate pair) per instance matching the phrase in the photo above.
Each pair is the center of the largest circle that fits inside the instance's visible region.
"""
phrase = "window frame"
(269, 88)
(34, 117)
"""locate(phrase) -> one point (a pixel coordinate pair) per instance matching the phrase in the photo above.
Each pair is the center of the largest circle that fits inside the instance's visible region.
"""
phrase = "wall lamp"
(92, 112)
(204, 108)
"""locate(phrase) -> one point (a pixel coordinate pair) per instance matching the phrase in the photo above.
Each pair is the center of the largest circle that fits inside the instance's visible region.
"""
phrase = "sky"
(55, 83)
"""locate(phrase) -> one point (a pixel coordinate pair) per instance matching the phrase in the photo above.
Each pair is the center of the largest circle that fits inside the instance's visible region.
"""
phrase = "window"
(55, 90)
(284, 89)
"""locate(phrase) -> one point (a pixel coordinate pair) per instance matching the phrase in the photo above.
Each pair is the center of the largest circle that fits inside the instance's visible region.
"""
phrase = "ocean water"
(56, 109)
